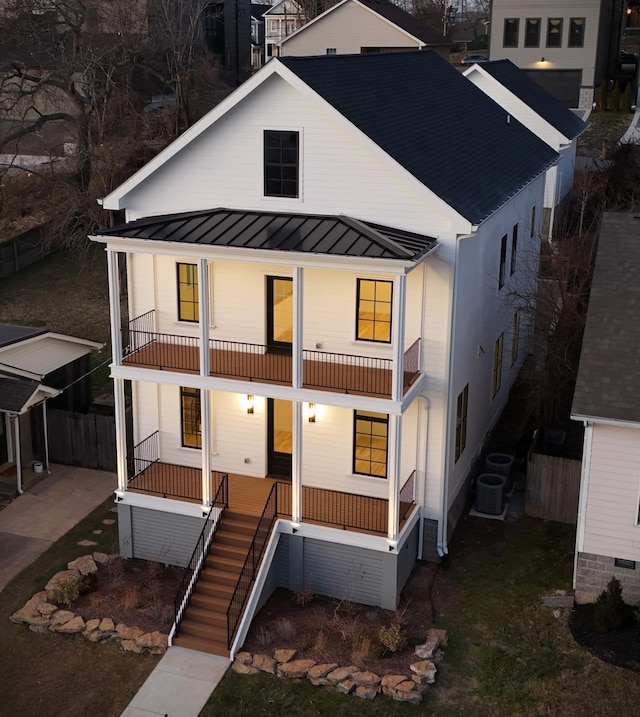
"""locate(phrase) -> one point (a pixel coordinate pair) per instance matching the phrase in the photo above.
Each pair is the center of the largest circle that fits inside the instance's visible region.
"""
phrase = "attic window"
(511, 27)
(532, 32)
(576, 32)
(554, 32)
(281, 164)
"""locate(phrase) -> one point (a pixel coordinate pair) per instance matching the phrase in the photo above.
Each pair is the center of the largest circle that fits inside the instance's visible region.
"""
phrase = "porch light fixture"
(542, 59)
(312, 413)
(249, 403)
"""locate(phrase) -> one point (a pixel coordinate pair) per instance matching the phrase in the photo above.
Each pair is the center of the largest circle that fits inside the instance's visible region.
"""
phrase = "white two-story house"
(319, 333)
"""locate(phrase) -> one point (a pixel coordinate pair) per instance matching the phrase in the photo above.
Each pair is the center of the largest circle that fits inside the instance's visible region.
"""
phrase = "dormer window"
(281, 164)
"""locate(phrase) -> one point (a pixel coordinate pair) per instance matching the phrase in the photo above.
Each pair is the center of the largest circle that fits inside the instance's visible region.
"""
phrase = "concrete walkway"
(632, 135)
(45, 512)
(179, 686)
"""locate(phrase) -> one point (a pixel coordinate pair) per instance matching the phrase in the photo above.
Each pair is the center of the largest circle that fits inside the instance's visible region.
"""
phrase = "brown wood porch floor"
(248, 495)
(269, 368)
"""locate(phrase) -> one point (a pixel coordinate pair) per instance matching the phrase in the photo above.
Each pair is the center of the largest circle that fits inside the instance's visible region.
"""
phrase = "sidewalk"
(632, 135)
(45, 512)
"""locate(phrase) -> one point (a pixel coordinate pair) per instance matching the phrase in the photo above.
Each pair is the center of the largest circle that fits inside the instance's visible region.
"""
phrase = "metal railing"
(194, 566)
(146, 347)
(407, 496)
(254, 362)
(347, 373)
(141, 330)
(412, 361)
(143, 455)
(251, 564)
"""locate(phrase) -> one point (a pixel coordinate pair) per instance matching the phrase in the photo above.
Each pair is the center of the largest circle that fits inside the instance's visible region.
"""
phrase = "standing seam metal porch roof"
(315, 234)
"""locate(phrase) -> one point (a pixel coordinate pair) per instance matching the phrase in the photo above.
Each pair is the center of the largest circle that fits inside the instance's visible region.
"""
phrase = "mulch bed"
(618, 647)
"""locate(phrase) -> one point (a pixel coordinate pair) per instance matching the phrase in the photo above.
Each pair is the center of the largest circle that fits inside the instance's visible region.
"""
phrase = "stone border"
(351, 679)
(41, 614)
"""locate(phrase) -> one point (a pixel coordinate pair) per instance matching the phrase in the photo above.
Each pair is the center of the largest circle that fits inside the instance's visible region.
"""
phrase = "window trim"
(516, 32)
(187, 392)
(496, 377)
(462, 406)
(560, 22)
(382, 418)
(374, 340)
(528, 23)
(573, 21)
(281, 164)
(514, 249)
(502, 269)
(180, 301)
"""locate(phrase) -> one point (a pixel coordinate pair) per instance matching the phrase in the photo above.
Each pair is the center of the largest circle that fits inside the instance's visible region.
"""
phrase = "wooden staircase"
(204, 625)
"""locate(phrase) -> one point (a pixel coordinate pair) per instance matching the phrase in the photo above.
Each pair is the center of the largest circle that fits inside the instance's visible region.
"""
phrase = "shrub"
(302, 597)
(611, 612)
(393, 637)
(67, 591)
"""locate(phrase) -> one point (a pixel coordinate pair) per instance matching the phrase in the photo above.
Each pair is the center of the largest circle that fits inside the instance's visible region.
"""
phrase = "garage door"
(564, 85)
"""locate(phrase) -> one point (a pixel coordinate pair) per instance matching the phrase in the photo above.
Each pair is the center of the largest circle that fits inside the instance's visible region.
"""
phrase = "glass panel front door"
(279, 313)
(280, 437)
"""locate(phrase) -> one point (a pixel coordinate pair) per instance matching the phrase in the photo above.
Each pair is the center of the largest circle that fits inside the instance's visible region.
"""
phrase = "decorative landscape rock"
(285, 655)
(424, 672)
(265, 663)
(318, 673)
(243, 669)
(346, 686)
(340, 674)
(244, 657)
(296, 669)
(365, 693)
(42, 615)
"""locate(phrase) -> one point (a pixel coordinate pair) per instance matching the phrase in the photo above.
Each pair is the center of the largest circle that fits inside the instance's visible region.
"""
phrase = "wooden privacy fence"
(22, 250)
(82, 439)
(553, 488)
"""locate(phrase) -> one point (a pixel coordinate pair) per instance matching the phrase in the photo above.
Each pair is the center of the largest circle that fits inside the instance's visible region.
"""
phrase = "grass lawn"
(53, 675)
(605, 129)
(508, 655)
(67, 293)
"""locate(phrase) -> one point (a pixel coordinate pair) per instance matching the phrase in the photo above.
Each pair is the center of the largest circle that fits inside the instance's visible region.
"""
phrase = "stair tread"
(196, 643)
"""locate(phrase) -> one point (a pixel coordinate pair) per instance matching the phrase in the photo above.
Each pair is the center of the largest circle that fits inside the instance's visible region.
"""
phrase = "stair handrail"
(249, 570)
(194, 566)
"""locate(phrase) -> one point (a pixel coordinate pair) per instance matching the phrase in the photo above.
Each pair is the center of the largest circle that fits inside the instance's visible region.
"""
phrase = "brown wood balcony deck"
(248, 495)
(322, 370)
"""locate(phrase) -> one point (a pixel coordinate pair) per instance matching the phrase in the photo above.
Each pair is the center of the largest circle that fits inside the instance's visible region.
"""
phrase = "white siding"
(348, 28)
(611, 514)
(564, 57)
(338, 175)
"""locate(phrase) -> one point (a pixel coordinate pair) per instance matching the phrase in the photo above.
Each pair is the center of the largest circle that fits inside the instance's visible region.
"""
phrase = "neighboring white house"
(606, 400)
(281, 20)
(568, 46)
(363, 26)
(317, 277)
(545, 116)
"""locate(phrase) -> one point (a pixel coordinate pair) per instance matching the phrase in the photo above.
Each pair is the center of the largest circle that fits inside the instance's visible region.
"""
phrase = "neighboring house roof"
(18, 394)
(284, 7)
(315, 234)
(608, 384)
(390, 12)
(258, 11)
(39, 352)
(532, 94)
(441, 128)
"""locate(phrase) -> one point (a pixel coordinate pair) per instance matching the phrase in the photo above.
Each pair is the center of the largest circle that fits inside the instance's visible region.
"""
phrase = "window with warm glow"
(374, 310)
(370, 443)
(191, 421)
(187, 292)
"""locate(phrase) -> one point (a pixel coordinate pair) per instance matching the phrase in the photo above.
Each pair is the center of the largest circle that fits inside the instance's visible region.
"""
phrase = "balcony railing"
(407, 496)
(344, 373)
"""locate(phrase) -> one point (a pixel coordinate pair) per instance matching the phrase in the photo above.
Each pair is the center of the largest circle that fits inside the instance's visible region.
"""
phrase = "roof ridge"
(375, 236)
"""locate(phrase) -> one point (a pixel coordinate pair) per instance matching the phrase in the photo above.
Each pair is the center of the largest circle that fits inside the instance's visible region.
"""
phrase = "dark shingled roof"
(428, 117)
(530, 92)
(608, 384)
(15, 392)
(338, 236)
(406, 22)
(10, 334)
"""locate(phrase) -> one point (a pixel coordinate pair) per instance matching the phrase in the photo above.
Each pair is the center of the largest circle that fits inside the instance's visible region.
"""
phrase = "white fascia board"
(115, 199)
(334, 535)
(42, 393)
(165, 505)
(308, 24)
(604, 421)
(75, 340)
(260, 256)
(552, 136)
(268, 390)
(22, 373)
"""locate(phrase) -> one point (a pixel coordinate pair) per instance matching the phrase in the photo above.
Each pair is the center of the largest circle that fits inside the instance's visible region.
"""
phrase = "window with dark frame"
(514, 249)
(576, 32)
(503, 262)
(370, 443)
(496, 379)
(554, 32)
(281, 163)
(532, 32)
(190, 417)
(515, 337)
(331, 50)
(461, 421)
(511, 28)
(188, 292)
(374, 305)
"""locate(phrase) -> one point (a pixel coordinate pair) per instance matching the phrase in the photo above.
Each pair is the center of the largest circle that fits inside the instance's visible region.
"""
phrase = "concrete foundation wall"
(593, 572)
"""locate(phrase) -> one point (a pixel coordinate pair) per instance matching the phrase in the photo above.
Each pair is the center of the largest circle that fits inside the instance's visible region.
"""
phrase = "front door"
(279, 313)
(279, 438)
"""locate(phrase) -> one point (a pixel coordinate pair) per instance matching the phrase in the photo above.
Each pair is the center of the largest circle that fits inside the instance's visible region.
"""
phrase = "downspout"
(442, 547)
(423, 497)
(46, 436)
(584, 492)
(16, 438)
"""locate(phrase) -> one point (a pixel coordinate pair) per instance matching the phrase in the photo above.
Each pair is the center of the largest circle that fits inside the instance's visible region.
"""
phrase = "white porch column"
(114, 306)
(46, 435)
(205, 395)
(296, 461)
(397, 335)
(296, 357)
(18, 453)
(393, 478)
(121, 433)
